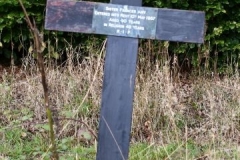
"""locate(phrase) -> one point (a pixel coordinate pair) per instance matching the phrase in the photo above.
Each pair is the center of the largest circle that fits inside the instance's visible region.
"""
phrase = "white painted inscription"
(102, 13)
(124, 20)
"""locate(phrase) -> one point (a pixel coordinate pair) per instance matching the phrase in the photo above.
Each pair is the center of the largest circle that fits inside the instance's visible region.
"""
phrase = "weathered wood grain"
(117, 98)
(181, 26)
(70, 16)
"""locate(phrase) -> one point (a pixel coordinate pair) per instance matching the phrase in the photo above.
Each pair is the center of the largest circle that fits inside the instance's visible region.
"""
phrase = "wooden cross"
(124, 22)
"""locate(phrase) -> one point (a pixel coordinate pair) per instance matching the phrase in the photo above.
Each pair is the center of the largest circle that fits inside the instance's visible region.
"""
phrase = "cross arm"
(90, 17)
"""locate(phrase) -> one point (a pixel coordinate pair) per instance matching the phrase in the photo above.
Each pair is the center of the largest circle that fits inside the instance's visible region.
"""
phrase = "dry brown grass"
(203, 111)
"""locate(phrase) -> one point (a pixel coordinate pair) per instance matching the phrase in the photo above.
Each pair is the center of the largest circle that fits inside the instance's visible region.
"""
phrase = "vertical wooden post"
(117, 95)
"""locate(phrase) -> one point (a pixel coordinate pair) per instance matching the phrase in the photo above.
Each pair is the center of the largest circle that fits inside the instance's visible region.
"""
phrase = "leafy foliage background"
(222, 29)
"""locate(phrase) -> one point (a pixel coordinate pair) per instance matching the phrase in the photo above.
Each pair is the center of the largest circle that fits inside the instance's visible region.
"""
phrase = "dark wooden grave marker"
(124, 22)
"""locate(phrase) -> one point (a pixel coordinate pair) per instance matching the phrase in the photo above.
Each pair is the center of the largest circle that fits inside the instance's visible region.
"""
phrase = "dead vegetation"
(205, 112)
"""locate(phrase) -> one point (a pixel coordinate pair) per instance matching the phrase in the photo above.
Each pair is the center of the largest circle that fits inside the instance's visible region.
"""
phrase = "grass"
(193, 118)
